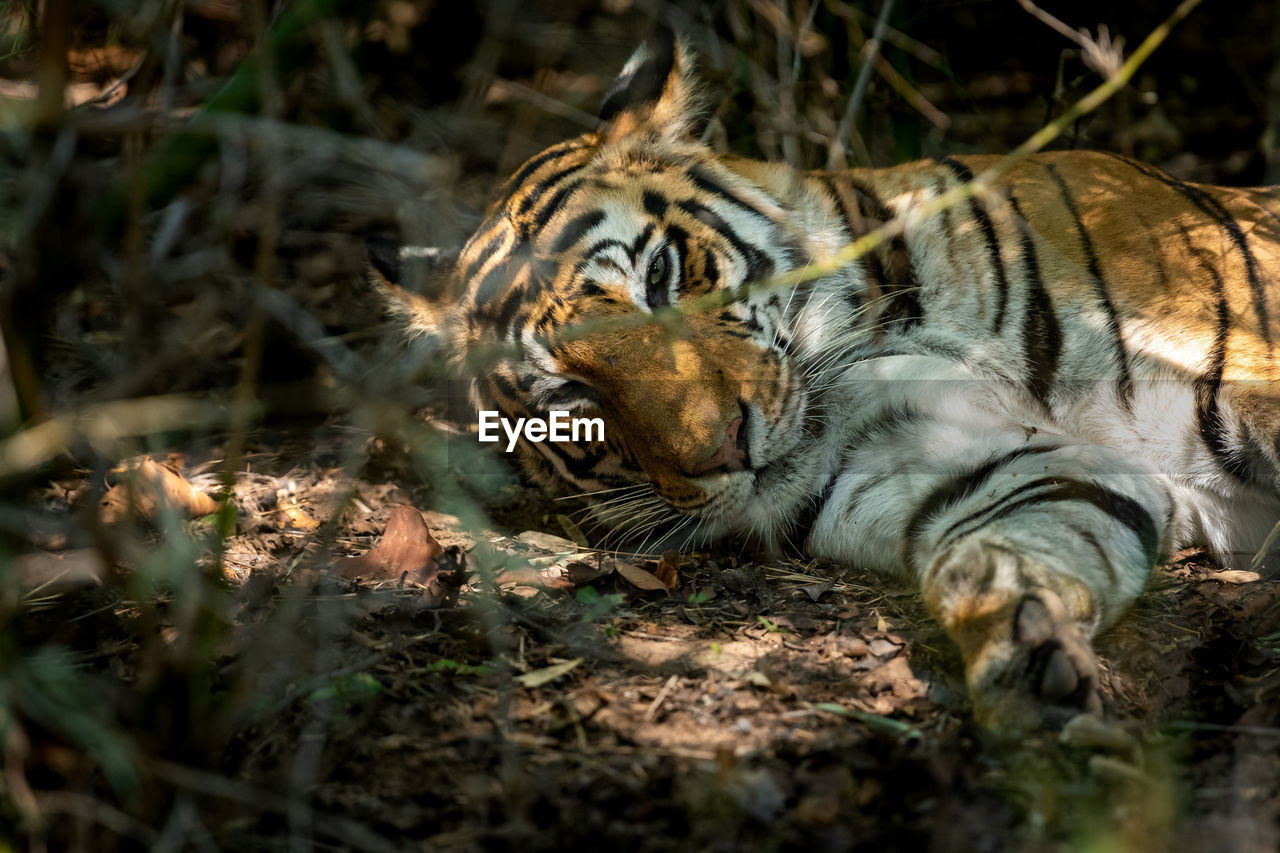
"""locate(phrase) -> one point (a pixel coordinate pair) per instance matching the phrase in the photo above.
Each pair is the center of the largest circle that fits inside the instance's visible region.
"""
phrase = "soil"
(762, 703)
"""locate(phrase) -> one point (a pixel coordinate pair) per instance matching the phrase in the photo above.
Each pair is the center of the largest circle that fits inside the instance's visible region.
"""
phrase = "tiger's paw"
(1042, 676)
(1028, 660)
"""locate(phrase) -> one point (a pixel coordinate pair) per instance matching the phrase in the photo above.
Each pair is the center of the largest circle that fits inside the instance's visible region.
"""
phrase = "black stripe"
(965, 175)
(533, 164)
(541, 217)
(705, 182)
(1103, 557)
(837, 199)
(1100, 290)
(576, 229)
(599, 246)
(955, 490)
(504, 387)
(1219, 214)
(948, 227)
(545, 184)
(759, 267)
(505, 311)
(483, 257)
(1124, 509)
(654, 204)
(869, 202)
(710, 270)
(802, 526)
(867, 206)
(850, 509)
(979, 518)
(1208, 385)
(897, 279)
(640, 242)
(1041, 336)
(495, 281)
(890, 419)
(580, 467)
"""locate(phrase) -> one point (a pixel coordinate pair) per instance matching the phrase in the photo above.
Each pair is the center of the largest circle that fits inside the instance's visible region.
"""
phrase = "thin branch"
(869, 52)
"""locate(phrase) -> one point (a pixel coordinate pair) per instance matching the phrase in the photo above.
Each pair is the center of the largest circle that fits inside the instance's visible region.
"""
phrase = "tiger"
(1019, 404)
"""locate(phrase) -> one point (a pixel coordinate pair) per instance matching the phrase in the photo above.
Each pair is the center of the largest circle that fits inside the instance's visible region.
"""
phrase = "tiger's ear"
(413, 280)
(657, 89)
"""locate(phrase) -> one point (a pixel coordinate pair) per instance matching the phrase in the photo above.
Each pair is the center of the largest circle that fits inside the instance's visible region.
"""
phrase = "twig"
(982, 184)
(912, 96)
(869, 51)
(652, 710)
(1100, 53)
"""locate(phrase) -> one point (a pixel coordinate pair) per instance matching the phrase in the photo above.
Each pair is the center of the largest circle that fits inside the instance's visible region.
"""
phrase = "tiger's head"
(574, 295)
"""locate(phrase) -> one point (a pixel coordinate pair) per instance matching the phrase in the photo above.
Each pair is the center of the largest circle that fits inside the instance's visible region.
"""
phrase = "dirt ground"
(762, 703)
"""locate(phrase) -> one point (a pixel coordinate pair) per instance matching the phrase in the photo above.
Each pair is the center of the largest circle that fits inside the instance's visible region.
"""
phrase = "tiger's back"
(1132, 308)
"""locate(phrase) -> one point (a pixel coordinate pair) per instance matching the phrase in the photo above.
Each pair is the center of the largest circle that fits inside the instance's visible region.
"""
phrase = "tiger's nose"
(733, 454)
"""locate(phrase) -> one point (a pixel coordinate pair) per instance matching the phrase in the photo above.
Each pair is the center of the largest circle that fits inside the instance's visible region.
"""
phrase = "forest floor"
(550, 702)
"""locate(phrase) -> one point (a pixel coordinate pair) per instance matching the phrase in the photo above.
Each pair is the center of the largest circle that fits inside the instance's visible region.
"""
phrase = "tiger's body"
(1021, 403)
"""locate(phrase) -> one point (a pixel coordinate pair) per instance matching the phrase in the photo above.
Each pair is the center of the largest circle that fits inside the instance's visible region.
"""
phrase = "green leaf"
(771, 627)
(875, 722)
(349, 689)
(539, 677)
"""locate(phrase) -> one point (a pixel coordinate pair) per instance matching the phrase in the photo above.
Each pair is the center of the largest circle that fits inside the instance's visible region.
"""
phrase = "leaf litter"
(769, 702)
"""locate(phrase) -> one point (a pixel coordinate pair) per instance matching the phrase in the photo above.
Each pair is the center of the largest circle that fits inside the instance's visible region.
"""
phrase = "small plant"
(457, 668)
(596, 606)
(349, 689)
(771, 627)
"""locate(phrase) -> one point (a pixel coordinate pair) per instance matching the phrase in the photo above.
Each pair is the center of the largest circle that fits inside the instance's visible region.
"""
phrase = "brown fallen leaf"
(579, 573)
(572, 530)
(638, 577)
(668, 570)
(1232, 576)
(289, 514)
(815, 591)
(547, 541)
(408, 551)
(147, 489)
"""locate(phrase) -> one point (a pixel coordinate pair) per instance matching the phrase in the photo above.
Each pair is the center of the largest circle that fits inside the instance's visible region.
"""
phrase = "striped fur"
(1021, 404)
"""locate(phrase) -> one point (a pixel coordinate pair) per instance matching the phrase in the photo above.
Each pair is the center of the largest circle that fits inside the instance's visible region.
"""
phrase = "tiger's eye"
(657, 270)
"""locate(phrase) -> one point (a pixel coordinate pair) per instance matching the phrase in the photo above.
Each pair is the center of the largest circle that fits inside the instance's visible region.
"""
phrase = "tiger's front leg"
(1024, 632)
(1024, 545)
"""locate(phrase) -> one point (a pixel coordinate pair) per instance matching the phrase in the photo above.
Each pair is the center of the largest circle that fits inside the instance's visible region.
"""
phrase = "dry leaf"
(149, 487)
(572, 530)
(547, 541)
(815, 591)
(580, 574)
(668, 570)
(1232, 576)
(291, 515)
(638, 577)
(407, 550)
(1086, 730)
